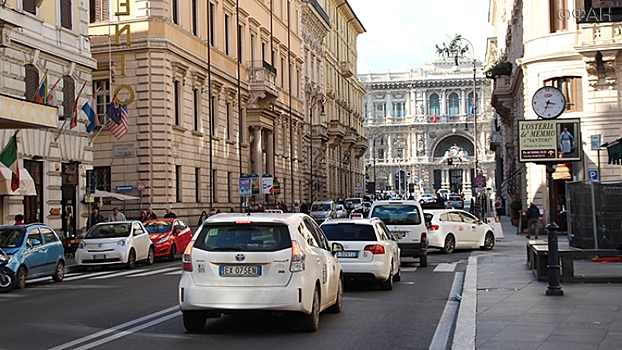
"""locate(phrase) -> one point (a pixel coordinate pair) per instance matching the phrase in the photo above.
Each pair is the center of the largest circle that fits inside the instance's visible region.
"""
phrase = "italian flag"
(8, 157)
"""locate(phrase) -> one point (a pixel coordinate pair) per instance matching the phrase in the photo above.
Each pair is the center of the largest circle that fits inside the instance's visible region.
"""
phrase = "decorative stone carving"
(609, 61)
(592, 70)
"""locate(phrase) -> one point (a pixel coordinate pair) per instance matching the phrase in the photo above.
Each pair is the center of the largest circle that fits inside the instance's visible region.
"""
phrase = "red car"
(170, 236)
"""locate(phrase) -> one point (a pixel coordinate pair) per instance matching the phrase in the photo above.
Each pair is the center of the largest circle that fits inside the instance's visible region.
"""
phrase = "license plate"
(240, 271)
(99, 256)
(347, 254)
(399, 235)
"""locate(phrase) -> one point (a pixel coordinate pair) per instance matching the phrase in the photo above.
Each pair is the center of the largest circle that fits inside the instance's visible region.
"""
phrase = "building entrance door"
(455, 180)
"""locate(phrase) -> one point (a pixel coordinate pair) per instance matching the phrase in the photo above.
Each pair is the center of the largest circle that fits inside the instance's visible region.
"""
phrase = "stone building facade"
(421, 129)
(203, 113)
(547, 46)
(47, 43)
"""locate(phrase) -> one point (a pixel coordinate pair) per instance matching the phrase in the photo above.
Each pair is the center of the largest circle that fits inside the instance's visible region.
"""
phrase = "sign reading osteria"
(557, 140)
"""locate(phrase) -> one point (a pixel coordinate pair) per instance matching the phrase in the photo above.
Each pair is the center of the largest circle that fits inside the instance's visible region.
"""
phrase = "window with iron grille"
(102, 178)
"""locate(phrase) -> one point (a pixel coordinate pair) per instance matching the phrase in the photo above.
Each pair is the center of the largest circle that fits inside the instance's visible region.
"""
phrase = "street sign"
(593, 175)
(480, 181)
(358, 188)
(549, 141)
(596, 142)
(140, 186)
(124, 188)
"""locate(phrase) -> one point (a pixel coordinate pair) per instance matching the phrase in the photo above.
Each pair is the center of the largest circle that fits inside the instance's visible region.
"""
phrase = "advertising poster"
(256, 189)
(245, 187)
(267, 183)
(554, 141)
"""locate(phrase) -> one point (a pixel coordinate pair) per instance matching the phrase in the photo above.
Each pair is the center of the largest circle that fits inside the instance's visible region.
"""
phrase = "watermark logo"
(602, 14)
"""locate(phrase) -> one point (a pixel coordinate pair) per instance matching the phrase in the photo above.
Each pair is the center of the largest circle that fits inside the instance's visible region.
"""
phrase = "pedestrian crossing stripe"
(155, 272)
(445, 267)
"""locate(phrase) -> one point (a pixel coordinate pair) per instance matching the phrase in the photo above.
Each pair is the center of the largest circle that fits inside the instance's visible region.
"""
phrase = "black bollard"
(554, 287)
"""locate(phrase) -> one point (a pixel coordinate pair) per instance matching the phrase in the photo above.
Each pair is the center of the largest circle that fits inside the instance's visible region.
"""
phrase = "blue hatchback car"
(35, 250)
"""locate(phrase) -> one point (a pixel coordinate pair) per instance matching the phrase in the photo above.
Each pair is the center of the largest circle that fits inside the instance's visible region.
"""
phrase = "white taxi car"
(117, 242)
(370, 250)
(260, 262)
(449, 229)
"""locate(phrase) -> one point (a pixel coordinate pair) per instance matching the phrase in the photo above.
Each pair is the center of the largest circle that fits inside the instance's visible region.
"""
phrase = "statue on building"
(455, 152)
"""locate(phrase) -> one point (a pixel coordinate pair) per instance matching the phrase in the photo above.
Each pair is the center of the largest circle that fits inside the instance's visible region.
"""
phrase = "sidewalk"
(513, 311)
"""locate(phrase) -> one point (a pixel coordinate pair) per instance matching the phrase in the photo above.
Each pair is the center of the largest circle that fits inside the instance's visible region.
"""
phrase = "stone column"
(463, 100)
(257, 151)
(269, 152)
(389, 155)
(443, 104)
(466, 183)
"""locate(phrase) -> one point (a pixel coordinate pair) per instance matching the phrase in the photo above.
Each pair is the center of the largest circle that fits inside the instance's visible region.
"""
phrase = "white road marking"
(445, 267)
(115, 275)
(119, 327)
(178, 272)
(155, 272)
(87, 275)
(48, 278)
(409, 269)
(443, 330)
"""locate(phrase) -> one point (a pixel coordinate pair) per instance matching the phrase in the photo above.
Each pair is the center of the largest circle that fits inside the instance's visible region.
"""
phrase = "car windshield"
(320, 207)
(397, 214)
(349, 232)
(109, 231)
(255, 237)
(158, 227)
(11, 238)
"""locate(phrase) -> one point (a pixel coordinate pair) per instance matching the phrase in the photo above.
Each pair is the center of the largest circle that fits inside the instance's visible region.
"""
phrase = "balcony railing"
(262, 78)
(347, 68)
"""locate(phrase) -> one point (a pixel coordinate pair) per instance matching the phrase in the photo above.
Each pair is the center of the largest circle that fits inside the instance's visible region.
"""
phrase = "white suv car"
(260, 262)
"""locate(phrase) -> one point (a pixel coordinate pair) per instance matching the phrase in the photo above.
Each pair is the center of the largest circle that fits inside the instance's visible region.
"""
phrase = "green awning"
(615, 151)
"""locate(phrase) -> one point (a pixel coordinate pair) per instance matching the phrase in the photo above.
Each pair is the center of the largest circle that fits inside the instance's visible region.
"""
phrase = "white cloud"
(403, 33)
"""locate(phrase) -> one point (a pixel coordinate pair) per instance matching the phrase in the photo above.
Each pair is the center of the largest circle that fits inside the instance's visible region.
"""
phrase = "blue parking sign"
(593, 175)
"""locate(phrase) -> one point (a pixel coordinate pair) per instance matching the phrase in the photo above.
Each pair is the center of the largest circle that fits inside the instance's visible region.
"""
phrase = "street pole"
(554, 287)
(374, 157)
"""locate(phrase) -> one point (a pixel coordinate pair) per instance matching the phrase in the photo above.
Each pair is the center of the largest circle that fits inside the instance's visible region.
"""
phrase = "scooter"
(7, 276)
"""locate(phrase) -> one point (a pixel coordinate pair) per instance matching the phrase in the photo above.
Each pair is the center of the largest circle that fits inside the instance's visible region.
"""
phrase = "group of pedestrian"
(96, 217)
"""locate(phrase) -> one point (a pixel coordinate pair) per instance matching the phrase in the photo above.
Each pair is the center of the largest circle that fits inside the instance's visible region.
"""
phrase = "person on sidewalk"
(150, 214)
(533, 215)
(169, 213)
(116, 215)
(19, 219)
(95, 217)
(202, 218)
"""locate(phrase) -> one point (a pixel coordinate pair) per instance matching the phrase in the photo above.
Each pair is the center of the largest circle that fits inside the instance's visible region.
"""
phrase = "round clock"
(548, 102)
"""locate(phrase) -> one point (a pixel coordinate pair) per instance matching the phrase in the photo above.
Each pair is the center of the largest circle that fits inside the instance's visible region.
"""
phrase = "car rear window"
(397, 214)
(455, 198)
(349, 232)
(11, 238)
(243, 237)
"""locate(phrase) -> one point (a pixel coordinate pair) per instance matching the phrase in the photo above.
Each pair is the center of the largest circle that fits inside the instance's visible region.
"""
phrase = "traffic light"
(450, 161)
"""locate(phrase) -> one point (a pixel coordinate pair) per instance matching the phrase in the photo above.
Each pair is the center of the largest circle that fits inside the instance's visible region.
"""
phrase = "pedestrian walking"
(304, 207)
(202, 218)
(533, 215)
(95, 217)
(116, 215)
(169, 213)
(150, 214)
(19, 219)
(296, 207)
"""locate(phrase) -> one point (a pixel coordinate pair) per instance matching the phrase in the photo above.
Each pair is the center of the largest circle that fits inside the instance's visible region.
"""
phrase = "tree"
(456, 49)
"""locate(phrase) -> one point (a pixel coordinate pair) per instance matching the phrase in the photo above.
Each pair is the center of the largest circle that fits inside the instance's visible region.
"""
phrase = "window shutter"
(68, 96)
(65, 14)
(32, 82)
(29, 6)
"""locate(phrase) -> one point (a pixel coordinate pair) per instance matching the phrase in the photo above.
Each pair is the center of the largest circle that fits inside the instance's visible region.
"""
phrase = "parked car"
(424, 198)
(404, 219)
(170, 236)
(340, 211)
(260, 262)
(370, 250)
(449, 229)
(455, 202)
(113, 243)
(322, 210)
(34, 250)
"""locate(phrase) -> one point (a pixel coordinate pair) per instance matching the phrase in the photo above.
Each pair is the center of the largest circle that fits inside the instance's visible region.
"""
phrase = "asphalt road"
(137, 309)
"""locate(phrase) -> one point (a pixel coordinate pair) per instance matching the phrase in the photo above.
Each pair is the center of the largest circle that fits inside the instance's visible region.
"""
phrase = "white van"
(405, 220)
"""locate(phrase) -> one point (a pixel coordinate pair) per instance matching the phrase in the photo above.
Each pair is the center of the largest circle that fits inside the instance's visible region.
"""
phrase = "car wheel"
(151, 256)
(388, 284)
(489, 241)
(311, 322)
(398, 276)
(336, 307)
(20, 277)
(59, 273)
(131, 259)
(450, 244)
(194, 321)
(171, 256)
(423, 261)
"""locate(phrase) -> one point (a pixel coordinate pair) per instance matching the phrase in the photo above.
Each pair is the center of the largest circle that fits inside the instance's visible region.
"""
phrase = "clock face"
(548, 102)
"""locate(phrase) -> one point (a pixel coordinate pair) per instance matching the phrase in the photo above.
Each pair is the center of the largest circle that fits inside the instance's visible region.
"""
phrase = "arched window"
(433, 105)
(454, 104)
(470, 104)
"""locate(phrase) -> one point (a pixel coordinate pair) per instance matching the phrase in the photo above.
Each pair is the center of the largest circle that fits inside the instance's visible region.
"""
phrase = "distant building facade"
(421, 129)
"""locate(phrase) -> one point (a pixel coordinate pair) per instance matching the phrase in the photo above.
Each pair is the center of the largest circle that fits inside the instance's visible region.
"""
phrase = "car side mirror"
(138, 232)
(33, 243)
(336, 247)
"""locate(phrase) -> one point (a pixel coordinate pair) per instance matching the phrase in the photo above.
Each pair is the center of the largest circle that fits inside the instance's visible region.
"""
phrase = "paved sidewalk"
(513, 311)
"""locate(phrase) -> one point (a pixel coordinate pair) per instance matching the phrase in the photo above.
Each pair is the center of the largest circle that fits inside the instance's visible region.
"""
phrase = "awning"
(26, 183)
(119, 196)
(614, 149)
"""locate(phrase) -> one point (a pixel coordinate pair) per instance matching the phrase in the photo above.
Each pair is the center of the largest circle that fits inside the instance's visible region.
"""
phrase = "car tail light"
(187, 257)
(374, 248)
(434, 227)
(424, 237)
(298, 258)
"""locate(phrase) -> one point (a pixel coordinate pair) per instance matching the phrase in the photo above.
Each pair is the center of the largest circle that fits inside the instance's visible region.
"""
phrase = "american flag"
(118, 130)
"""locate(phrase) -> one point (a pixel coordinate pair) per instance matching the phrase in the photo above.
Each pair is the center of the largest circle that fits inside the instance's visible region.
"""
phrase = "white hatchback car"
(370, 250)
(449, 229)
(260, 262)
(118, 242)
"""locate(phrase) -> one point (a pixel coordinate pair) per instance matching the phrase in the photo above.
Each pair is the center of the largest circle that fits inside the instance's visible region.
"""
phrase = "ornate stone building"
(421, 129)
(37, 44)
(547, 46)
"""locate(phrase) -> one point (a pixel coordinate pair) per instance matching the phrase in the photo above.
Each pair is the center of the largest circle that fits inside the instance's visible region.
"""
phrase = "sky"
(401, 34)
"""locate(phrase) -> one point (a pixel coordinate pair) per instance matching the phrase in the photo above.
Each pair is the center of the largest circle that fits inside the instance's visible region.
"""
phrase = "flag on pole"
(8, 157)
(51, 99)
(90, 109)
(74, 110)
(117, 113)
(472, 110)
(42, 91)
(434, 118)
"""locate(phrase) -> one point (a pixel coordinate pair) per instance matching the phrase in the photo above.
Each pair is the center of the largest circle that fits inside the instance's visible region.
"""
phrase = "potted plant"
(500, 66)
(515, 206)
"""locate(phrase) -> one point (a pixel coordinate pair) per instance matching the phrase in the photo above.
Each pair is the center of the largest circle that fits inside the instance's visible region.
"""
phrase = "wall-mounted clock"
(548, 102)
